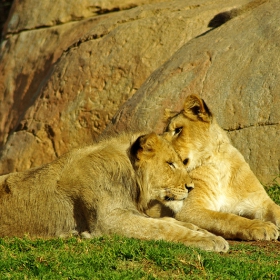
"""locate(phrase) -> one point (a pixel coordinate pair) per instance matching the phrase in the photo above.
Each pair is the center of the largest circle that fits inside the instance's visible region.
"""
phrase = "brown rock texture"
(65, 73)
(237, 73)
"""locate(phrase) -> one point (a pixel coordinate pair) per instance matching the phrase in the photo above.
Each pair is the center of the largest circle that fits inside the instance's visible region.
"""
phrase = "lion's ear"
(196, 109)
(144, 146)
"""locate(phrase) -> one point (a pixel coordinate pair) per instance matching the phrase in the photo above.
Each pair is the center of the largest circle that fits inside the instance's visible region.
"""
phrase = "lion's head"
(160, 172)
(193, 132)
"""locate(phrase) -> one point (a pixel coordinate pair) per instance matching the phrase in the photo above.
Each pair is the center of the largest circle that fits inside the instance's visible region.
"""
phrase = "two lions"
(105, 188)
(119, 184)
(227, 200)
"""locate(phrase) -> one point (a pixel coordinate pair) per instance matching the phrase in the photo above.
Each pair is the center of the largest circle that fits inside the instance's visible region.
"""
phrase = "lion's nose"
(189, 187)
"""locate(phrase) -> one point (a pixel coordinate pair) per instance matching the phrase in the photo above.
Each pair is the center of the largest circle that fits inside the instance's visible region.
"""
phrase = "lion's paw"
(215, 243)
(210, 243)
(260, 230)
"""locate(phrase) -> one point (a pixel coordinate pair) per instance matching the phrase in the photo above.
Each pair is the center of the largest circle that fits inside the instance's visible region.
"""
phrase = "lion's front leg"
(273, 213)
(229, 226)
(258, 205)
(130, 224)
(187, 225)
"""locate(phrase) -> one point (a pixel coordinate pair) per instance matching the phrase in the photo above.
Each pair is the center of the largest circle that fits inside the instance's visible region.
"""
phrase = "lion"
(228, 200)
(102, 189)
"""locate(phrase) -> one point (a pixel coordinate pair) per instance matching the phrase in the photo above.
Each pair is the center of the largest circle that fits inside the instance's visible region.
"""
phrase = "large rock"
(63, 80)
(26, 15)
(34, 39)
(236, 69)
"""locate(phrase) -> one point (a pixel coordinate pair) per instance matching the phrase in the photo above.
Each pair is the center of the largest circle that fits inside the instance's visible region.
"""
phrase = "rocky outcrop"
(236, 69)
(66, 73)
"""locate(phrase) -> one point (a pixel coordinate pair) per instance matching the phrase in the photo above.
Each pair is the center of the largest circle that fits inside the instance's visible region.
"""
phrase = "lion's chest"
(212, 186)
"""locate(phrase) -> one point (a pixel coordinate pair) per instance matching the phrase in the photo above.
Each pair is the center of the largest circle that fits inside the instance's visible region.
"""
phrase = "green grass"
(274, 192)
(123, 258)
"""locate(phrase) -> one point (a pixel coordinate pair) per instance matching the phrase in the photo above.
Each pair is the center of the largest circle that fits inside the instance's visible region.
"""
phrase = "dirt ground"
(267, 246)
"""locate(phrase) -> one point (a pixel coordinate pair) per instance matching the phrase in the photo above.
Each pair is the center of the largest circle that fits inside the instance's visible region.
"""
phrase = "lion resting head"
(160, 172)
(193, 132)
(105, 188)
(228, 198)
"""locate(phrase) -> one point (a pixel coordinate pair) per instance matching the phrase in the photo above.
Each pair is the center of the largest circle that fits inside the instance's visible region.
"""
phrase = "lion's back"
(59, 196)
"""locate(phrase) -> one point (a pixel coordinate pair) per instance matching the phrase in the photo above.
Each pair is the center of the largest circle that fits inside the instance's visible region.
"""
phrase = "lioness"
(228, 200)
(103, 189)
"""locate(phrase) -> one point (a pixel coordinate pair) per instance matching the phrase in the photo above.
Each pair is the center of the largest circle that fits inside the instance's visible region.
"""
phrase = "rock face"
(237, 74)
(65, 74)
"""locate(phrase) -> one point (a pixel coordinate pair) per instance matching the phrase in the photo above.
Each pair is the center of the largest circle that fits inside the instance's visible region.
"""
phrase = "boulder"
(34, 40)
(235, 68)
(67, 69)
(77, 72)
(27, 15)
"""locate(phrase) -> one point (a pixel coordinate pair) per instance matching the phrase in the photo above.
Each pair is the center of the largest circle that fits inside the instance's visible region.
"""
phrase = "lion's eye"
(171, 164)
(178, 130)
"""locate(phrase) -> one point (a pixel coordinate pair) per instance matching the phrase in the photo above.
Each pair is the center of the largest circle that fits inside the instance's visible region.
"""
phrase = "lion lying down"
(103, 189)
(228, 199)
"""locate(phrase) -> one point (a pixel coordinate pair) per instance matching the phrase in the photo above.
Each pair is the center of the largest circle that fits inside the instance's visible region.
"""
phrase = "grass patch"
(274, 192)
(125, 258)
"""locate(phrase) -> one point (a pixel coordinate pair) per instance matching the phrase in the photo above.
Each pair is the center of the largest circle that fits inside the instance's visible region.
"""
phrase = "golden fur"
(103, 189)
(228, 199)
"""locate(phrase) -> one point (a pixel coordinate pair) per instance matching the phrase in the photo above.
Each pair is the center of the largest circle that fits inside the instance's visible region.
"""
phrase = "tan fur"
(103, 189)
(227, 200)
